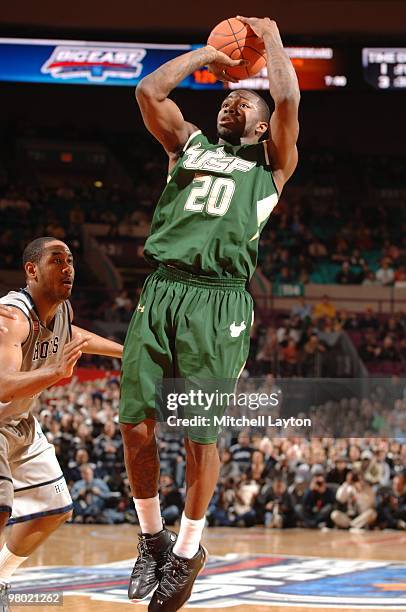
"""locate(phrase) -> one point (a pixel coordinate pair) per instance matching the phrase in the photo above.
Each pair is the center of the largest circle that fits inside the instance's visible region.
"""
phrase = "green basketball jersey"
(213, 208)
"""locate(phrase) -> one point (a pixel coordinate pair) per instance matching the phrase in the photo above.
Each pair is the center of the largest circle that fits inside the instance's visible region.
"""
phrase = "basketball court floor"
(249, 570)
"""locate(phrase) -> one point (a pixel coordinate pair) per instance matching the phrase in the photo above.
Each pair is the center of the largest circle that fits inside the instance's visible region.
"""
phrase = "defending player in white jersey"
(38, 347)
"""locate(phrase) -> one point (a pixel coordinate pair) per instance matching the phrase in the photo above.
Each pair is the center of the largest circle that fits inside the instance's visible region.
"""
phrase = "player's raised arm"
(284, 89)
(161, 115)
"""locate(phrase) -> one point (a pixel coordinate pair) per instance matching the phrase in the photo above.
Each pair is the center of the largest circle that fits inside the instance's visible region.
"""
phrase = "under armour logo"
(235, 330)
(140, 308)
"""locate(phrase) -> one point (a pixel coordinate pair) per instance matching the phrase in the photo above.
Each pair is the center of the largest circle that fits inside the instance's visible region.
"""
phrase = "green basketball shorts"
(190, 328)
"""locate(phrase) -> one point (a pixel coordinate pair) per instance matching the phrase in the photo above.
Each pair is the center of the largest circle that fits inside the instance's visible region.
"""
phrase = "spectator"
(170, 499)
(275, 505)
(369, 350)
(287, 276)
(388, 351)
(221, 510)
(289, 359)
(123, 306)
(317, 250)
(324, 309)
(342, 250)
(171, 452)
(241, 452)
(266, 355)
(368, 320)
(385, 275)
(318, 504)
(89, 496)
(303, 310)
(374, 467)
(400, 277)
(312, 350)
(358, 498)
(391, 504)
(258, 466)
(370, 278)
(246, 492)
(297, 491)
(338, 473)
(345, 276)
(228, 468)
(108, 448)
(286, 331)
(72, 472)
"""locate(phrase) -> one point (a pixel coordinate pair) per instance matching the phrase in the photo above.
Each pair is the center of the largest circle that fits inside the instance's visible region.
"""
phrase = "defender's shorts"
(185, 327)
(31, 481)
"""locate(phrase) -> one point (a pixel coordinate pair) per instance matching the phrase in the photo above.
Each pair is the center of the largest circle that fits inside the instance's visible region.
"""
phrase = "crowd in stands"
(327, 228)
(28, 211)
(339, 220)
(305, 342)
(355, 483)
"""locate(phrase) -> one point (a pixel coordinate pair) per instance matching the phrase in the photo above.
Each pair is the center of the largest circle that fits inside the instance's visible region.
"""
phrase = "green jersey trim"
(189, 140)
(268, 164)
(186, 145)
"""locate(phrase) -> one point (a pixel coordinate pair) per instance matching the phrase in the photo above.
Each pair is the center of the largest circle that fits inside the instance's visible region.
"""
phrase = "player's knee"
(59, 519)
(137, 436)
(201, 453)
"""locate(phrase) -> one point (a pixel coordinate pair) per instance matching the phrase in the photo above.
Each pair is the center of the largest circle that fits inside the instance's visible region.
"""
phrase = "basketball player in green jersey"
(194, 315)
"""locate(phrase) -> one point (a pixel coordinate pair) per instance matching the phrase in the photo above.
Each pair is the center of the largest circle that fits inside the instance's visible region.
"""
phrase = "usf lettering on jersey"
(213, 209)
(41, 348)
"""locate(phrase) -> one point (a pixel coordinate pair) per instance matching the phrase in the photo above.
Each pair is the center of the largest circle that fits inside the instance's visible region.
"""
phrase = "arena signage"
(82, 62)
(115, 63)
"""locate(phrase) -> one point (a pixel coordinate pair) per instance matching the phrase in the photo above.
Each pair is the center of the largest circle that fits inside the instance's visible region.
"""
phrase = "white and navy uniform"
(31, 481)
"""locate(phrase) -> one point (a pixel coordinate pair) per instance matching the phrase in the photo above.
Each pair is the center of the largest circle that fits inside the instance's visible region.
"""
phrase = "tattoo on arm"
(282, 76)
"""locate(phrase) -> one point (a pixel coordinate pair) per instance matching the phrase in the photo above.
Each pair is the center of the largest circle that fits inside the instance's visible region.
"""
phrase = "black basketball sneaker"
(153, 554)
(176, 584)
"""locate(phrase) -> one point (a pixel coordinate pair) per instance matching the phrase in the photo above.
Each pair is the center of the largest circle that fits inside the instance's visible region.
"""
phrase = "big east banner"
(84, 62)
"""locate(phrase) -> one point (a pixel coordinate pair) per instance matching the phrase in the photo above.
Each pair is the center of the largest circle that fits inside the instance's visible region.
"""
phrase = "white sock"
(190, 534)
(149, 514)
(9, 562)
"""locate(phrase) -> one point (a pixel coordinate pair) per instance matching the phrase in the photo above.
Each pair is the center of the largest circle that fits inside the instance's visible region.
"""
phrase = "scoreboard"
(384, 67)
(317, 68)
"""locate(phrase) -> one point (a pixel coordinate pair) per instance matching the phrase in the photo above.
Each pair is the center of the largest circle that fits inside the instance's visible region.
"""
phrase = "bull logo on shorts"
(235, 330)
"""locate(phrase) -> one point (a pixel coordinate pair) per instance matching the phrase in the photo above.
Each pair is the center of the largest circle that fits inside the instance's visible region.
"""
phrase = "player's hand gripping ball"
(239, 41)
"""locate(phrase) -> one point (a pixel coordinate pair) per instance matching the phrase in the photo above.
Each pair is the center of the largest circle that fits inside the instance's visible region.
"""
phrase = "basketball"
(239, 41)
